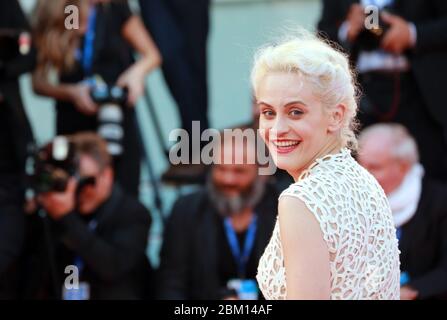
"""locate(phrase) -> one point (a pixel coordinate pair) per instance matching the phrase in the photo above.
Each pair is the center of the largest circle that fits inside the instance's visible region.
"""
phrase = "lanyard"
(79, 263)
(89, 40)
(404, 276)
(241, 258)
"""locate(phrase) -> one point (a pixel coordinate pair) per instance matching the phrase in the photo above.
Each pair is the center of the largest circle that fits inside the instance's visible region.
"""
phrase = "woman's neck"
(331, 147)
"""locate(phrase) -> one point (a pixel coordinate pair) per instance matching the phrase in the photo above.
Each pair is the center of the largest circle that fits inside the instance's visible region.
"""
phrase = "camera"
(13, 43)
(111, 101)
(50, 168)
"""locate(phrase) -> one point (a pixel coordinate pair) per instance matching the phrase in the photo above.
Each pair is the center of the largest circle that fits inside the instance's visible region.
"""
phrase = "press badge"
(404, 278)
(246, 289)
(81, 293)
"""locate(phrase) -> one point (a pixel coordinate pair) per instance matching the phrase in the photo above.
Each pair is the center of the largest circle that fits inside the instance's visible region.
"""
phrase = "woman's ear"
(337, 114)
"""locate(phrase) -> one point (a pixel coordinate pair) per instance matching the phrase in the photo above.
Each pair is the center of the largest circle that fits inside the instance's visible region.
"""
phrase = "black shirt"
(113, 254)
(8, 161)
(227, 266)
(112, 55)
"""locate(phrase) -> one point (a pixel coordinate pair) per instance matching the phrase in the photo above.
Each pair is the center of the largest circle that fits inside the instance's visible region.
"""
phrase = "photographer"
(15, 136)
(101, 47)
(92, 225)
(401, 66)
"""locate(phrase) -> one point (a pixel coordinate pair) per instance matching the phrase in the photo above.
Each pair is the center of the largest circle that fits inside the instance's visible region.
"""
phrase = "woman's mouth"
(285, 146)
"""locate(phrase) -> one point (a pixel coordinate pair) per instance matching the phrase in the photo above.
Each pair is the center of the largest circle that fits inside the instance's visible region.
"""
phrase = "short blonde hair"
(326, 68)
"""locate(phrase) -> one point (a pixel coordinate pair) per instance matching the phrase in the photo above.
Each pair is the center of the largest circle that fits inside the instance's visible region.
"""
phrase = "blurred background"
(238, 27)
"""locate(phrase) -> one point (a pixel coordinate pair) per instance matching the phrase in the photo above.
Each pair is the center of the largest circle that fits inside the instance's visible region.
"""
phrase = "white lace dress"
(357, 225)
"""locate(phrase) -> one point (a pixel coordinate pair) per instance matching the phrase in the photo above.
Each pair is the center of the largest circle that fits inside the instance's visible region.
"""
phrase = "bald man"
(418, 204)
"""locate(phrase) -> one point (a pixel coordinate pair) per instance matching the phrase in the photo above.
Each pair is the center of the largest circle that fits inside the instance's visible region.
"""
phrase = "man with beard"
(215, 236)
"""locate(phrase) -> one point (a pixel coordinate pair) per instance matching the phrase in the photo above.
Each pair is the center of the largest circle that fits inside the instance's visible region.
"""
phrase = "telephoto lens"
(111, 102)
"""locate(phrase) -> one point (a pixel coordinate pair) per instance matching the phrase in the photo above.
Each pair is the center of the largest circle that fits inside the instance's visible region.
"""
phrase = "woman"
(334, 237)
(101, 46)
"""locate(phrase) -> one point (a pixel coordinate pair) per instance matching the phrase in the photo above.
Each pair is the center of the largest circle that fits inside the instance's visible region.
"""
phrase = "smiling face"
(294, 124)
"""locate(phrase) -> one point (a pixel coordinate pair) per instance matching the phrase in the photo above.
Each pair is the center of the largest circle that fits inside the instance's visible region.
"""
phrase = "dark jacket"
(13, 117)
(189, 259)
(15, 136)
(423, 244)
(116, 266)
(12, 220)
(428, 59)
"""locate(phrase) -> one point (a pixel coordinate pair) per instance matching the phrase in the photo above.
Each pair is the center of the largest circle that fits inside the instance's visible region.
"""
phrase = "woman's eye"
(268, 113)
(295, 112)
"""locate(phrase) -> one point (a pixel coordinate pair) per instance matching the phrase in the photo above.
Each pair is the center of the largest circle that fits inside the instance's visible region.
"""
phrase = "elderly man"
(419, 207)
(215, 236)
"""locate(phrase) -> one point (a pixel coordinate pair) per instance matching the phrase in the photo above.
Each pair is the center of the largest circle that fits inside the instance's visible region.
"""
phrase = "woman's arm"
(137, 36)
(78, 94)
(306, 255)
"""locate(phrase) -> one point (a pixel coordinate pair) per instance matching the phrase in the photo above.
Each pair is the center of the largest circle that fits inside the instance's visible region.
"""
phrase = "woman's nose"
(280, 127)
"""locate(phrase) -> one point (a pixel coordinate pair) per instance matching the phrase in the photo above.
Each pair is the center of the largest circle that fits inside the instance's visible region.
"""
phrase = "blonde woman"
(334, 237)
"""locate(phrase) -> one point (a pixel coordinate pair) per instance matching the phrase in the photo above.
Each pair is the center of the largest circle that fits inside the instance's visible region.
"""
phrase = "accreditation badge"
(247, 289)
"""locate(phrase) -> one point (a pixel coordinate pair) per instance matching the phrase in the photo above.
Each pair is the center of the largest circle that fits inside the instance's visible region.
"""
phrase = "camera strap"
(241, 258)
(404, 275)
(89, 42)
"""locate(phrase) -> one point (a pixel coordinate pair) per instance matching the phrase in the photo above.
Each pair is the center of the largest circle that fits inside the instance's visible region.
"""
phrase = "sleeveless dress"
(357, 226)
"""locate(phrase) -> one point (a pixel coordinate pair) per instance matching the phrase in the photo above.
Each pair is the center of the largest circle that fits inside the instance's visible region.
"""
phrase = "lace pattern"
(356, 223)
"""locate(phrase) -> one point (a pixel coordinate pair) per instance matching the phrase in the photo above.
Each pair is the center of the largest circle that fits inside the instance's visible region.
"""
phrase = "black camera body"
(50, 168)
(111, 101)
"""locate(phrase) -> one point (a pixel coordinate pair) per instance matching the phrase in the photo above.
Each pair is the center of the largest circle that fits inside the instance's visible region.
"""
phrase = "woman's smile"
(284, 146)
